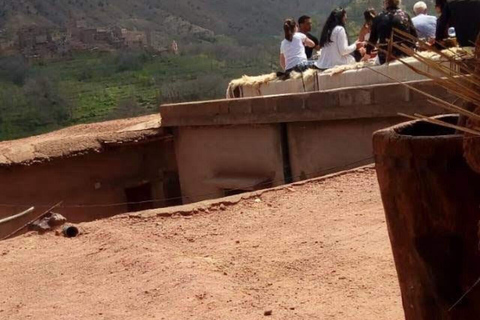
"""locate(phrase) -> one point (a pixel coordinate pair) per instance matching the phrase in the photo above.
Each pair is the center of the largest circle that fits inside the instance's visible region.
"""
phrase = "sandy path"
(317, 251)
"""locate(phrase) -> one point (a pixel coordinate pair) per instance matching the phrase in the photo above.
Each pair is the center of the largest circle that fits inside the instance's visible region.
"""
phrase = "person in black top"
(463, 15)
(305, 26)
(383, 24)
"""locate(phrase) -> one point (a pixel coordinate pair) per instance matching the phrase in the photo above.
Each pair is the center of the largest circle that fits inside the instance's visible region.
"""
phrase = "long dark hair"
(440, 3)
(289, 28)
(335, 19)
(369, 15)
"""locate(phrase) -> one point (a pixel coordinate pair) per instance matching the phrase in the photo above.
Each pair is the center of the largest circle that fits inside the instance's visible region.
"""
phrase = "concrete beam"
(376, 101)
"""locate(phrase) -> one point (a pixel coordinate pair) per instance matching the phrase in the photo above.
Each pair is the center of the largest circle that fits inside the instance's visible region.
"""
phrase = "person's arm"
(342, 43)
(309, 43)
(363, 32)
(282, 55)
(305, 40)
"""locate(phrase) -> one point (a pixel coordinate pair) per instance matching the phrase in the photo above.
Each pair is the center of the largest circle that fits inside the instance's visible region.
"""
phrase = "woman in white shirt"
(292, 49)
(334, 42)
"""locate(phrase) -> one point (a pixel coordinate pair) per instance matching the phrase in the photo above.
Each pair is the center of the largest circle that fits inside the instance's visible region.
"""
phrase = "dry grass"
(460, 76)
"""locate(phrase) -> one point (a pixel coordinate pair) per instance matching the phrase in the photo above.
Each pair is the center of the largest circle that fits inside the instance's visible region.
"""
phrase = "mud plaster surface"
(315, 251)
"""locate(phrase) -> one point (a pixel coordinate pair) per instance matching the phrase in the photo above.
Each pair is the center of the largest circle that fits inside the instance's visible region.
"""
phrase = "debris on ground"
(49, 222)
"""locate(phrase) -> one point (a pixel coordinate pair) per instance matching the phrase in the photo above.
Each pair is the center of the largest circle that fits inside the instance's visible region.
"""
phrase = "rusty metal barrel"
(431, 199)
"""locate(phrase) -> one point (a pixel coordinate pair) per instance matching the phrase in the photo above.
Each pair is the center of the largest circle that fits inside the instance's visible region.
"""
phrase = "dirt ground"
(313, 251)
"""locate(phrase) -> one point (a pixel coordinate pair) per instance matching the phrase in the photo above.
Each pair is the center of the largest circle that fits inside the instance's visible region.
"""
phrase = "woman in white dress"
(292, 49)
(334, 42)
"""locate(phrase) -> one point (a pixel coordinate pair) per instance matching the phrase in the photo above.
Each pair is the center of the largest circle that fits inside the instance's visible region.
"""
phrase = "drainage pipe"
(70, 231)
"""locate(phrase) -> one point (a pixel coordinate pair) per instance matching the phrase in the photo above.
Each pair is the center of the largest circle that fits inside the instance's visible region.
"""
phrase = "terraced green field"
(90, 87)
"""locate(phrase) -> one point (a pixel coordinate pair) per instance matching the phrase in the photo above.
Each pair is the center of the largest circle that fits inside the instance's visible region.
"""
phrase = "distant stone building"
(135, 39)
(7, 45)
(41, 42)
(130, 39)
(87, 37)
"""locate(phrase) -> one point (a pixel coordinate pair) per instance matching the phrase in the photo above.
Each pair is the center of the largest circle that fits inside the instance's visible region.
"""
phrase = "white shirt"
(294, 51)
(426, 26)
(337, 52)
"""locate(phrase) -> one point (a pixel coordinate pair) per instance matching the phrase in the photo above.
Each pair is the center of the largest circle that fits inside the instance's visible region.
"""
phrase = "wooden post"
(471, 144)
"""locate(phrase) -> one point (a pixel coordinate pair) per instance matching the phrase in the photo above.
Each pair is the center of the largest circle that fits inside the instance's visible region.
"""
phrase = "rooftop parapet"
(385, 100)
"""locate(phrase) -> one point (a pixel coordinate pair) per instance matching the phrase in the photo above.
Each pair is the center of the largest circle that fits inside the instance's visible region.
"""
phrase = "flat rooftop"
(79, 140)
(312, 250)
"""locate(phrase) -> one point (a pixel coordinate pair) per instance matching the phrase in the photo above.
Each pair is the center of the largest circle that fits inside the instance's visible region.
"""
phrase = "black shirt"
(464, 16)
(382, 29)
(308, 50)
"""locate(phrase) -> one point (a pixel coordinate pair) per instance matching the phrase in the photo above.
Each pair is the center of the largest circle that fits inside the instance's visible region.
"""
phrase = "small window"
(139, 198)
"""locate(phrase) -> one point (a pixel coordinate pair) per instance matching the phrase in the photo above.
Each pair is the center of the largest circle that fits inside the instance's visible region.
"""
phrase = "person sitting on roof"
(463, 15)
(364, 34)
(382, 27)
(425, 24)
(305, 27)
(292, 49)
(366, 29)
(334, 42)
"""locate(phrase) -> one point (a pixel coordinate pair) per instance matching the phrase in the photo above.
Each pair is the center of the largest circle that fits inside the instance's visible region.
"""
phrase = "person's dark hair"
(335, 19)
(289, 29)
(440, 3)
(393, 4)
(369, 15)
(303, 19)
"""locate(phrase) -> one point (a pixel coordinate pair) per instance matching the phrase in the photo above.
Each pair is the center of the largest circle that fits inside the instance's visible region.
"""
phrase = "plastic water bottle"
(451, 32)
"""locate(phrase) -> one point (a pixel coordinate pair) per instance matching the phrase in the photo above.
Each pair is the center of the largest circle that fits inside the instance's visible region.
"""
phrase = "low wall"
(347, 76)
(91, 180)
(323, 147)
(285, 137)
(223, 160)
(351, 103)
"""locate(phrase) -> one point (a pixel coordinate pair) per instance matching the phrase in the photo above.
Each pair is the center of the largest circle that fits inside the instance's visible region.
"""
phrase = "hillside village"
(44, 43)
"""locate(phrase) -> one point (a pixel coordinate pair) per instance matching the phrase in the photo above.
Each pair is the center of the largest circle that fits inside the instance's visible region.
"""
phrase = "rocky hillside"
(180, 18)
(188, 19)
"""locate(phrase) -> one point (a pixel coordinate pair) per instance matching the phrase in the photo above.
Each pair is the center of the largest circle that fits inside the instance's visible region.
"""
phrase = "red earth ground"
(317, 250)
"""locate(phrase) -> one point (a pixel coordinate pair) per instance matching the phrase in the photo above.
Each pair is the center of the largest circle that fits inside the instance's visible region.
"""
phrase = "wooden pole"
(26, 225)
(19, 215)
(471, 145)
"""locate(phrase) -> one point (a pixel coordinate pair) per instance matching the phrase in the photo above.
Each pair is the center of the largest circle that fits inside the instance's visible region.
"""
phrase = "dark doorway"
(172, 189)
(139, 198)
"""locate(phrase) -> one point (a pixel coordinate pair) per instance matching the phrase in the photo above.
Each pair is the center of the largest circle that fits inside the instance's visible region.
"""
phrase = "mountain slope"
(240, 19)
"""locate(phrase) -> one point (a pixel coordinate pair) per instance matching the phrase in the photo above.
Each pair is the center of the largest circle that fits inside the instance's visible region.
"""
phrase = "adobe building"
(231, 146)
(201, 150)
(97, 170)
